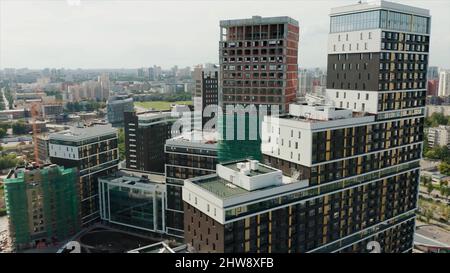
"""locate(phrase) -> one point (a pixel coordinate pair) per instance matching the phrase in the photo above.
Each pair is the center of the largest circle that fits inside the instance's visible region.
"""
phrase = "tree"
(9, 160)
(444, 168)
(430, 187)
(20, 128)
(436, 119)
(2, 133)
(428, 215)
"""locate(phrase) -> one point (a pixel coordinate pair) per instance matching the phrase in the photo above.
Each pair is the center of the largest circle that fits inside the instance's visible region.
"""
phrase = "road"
(3, 223)
(431, 235)
(5, 101)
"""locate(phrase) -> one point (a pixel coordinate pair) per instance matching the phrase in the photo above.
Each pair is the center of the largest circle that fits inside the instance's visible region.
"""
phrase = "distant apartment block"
(43, 148)
(444, 83)
(42, 205)
(51, 110)
(116, 106)
(206, 90)
(439, 136)
(93, 151)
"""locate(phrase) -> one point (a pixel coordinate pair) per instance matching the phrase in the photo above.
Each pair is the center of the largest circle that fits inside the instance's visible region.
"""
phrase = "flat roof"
(77, 134)
(200, 137)
(258, 20)
(224, 189)
(379, 4)
(262, 169)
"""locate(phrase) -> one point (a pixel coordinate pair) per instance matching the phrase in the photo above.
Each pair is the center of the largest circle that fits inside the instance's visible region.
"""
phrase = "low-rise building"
(133, 201)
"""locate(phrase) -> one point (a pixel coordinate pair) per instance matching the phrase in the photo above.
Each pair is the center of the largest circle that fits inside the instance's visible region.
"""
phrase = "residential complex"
(93, 151)
(358, 148)
(42, 204)
(188, 155)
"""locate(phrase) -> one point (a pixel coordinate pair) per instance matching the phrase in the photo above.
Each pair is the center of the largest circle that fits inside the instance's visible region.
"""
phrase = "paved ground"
(3, 223)
(431, 235)
(427, 164)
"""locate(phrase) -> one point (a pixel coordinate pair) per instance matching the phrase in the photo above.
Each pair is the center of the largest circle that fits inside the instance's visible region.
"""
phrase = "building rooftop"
(239, 178)
(195, 136)
(258, 20)
(379, 4)
(119, 99)
(19, 171)
(129, 176)
(78, 134)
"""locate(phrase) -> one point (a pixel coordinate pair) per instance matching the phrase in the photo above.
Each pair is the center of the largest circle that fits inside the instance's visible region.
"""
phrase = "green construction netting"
(240, 137)
(56, 192)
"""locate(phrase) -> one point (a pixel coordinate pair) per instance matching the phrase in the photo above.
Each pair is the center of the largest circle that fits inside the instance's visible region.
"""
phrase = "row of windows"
(325, 219)
(263, 43)
(380, 19)
(263, 75)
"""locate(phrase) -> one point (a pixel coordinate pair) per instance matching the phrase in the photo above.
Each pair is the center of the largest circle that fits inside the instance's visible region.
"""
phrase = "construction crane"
(34, 115)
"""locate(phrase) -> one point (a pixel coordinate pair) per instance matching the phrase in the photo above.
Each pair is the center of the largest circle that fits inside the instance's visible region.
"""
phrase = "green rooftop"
(218, 186)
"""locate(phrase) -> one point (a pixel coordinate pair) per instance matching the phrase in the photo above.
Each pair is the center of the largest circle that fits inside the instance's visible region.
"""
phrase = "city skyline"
(40, 34)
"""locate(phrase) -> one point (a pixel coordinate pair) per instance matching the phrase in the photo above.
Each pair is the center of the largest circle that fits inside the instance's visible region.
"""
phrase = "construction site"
(42, 205)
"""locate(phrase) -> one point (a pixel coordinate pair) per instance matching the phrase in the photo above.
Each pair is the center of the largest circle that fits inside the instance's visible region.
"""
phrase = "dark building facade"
(188, 155)
(145, 136)
(206, 92)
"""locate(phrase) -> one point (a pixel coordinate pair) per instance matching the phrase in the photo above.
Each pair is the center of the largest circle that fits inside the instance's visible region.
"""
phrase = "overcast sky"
(130, 34)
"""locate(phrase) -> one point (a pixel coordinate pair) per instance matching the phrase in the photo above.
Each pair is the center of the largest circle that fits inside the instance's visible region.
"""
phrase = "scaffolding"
(243, 141)
(42, 205)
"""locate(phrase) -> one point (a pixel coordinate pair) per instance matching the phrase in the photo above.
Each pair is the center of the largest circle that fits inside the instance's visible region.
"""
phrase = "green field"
(160, 105)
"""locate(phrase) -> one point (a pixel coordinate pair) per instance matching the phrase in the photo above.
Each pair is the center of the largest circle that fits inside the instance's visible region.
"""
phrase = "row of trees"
(18, 128)
(9, 161)
(84, 106)
(437, 119)
(169, 97)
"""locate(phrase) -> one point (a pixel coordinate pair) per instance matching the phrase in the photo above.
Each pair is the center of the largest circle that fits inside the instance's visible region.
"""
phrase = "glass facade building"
(132, 202)
(384, 19)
